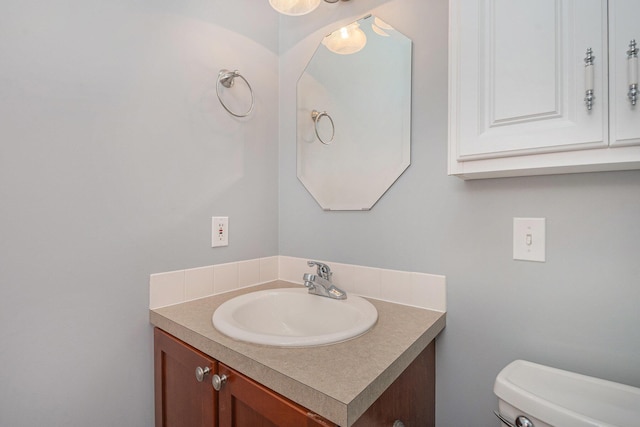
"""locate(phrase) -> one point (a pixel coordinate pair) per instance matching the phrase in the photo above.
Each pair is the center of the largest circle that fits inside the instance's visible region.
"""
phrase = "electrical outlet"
(529, 239)
(219, 231)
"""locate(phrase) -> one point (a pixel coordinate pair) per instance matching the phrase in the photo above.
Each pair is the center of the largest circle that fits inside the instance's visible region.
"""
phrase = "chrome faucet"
(320, 283)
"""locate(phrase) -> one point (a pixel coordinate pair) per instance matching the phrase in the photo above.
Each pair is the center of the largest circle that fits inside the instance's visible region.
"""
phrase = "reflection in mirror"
(347, 40)
(354, 115)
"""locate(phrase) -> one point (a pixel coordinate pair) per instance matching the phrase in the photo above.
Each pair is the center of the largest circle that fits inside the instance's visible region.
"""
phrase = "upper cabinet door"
(624, 18)
(518, 77)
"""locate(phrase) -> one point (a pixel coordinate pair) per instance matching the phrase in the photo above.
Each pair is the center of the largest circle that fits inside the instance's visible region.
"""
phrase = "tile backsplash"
(174, 287)
(402, 287)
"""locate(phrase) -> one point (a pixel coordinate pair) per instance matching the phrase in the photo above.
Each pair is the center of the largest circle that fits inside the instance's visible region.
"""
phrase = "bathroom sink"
(291, 317)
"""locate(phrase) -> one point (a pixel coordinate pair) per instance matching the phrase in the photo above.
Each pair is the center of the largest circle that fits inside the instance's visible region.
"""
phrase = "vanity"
(385, 377)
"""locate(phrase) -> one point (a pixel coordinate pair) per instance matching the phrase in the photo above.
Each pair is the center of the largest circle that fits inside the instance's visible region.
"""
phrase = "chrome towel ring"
(226, 79)
(316, 116)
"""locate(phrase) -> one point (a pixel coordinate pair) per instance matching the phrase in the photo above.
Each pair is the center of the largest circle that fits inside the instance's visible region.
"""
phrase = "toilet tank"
(557, 398)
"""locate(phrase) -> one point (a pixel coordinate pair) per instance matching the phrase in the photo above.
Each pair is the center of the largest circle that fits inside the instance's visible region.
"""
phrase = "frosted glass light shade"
(294, 7)
(346, 40)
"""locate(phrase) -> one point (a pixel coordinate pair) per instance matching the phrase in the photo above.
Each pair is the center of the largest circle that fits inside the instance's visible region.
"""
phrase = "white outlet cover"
(529, 239)
(219, 231)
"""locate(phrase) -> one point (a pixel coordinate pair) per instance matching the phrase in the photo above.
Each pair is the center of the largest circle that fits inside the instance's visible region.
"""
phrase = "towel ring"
(316, 116)
(226, 79)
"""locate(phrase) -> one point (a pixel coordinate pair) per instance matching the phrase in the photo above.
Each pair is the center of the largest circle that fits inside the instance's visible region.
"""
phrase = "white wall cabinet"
(517, 87)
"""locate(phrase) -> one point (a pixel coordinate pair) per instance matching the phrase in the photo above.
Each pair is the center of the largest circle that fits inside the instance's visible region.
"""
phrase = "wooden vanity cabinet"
(244, 402)
(411, 398)
(182, 401)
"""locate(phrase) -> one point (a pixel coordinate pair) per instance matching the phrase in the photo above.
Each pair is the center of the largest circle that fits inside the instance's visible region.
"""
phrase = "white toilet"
(532, 395)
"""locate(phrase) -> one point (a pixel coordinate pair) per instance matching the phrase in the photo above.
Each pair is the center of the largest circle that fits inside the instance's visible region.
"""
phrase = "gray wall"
(577, 311)
(114, 155)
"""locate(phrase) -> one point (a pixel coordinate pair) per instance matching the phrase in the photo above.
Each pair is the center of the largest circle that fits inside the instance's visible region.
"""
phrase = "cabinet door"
(410, 399)
(181, 400)
(623, 27)
(517, 77)
(245, 403)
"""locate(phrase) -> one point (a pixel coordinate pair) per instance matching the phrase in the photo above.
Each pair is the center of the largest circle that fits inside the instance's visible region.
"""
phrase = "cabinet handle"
(632, 72)
(398, 423)
(201, 373)
(588, 79)
(218, 381)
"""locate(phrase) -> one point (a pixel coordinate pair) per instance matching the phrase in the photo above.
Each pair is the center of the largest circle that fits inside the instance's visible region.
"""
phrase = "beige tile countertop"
(338, 381)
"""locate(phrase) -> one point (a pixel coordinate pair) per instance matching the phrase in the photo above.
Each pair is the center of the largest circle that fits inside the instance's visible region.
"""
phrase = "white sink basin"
(291, 317)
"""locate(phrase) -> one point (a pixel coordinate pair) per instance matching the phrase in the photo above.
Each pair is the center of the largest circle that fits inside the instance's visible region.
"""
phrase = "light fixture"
(346, 40)
(297, 7)
(380, 27)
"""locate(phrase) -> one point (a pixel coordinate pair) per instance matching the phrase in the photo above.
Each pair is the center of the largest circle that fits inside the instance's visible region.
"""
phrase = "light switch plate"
(529, 240)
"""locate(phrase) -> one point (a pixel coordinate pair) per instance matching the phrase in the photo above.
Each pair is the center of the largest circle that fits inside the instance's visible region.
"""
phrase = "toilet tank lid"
(563, 398)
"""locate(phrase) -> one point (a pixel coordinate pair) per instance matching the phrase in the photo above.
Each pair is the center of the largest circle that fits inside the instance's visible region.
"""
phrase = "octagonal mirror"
(354, 115)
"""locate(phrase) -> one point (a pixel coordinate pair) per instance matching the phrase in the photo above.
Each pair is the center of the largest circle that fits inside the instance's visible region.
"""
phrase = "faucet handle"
(323, 269)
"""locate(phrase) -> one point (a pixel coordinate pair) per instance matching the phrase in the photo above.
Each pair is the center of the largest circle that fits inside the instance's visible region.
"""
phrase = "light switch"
(529, 239)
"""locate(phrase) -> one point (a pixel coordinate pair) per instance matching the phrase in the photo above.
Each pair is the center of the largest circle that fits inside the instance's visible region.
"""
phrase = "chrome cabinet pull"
(632, 72)
(218, 381)
(588, 79)
(201, 373)
(398, 423)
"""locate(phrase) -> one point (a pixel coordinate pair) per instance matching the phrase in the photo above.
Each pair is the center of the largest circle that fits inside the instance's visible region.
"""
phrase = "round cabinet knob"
(201, 373)
(398, 423)
(218, 381)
